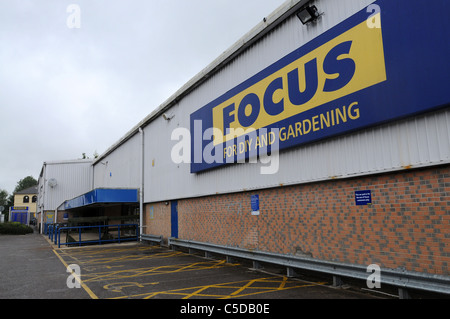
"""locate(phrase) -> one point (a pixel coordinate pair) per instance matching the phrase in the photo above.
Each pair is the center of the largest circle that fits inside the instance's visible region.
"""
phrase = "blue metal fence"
(105, 233)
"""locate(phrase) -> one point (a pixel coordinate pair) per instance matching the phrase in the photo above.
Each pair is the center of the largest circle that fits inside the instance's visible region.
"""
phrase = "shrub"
(15, 228)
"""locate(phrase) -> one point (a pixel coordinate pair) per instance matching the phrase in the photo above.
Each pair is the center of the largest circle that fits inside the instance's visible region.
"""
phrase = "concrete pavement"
(31, 270)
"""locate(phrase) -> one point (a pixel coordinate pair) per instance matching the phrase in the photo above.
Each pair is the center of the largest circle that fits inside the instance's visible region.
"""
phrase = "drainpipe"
(44, 175)
(141, 193)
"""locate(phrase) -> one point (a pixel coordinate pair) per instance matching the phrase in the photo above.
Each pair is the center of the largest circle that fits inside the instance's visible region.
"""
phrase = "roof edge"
(261, 29)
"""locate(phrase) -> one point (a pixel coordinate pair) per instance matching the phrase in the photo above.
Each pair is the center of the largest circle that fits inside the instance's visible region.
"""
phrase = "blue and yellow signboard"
(357, 74)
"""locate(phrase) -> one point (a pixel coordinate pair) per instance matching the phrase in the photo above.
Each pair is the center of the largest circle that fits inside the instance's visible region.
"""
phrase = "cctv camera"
(167, 117)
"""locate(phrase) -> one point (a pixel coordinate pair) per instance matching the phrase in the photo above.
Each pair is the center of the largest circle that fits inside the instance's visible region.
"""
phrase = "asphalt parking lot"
(171, 282)
(150, 272)
(34, 268)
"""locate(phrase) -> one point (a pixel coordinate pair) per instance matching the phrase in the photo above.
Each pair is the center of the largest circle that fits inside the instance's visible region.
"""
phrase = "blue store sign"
(351, 77)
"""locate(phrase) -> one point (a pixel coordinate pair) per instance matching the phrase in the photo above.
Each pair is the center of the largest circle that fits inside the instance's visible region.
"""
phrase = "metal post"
(403, 293)
(141, 190)
(290, 272)
(337, 281)
(208, 254)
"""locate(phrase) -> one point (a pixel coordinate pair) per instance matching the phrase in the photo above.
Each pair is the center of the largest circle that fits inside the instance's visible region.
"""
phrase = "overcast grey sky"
(66, 90)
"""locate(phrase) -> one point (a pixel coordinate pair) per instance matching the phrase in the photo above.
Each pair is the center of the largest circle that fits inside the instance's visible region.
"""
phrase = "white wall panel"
(414, 142)
(121, 168)
(73, 178)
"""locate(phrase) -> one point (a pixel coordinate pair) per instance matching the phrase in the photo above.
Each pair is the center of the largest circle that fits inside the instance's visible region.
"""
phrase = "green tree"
(3, 197)
(25, 183)
(7, 200)
(4, 201)
(84, 156)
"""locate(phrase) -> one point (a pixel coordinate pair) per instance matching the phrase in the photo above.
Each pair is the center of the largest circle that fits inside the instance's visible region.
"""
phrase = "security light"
(308, 14)
(168, 117)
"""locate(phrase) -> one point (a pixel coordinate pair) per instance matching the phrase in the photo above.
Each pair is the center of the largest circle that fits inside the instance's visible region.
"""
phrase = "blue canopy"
(103, 196)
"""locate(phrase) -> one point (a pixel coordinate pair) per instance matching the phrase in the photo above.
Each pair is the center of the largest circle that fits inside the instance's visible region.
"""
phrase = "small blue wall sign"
(255, 204)
(363, 197)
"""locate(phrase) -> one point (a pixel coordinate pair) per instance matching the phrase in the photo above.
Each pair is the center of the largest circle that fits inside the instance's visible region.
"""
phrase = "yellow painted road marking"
(125, 258)
(197, 292)
(118, 286)
(283, 283)
(131, 273)
(200, 291)
(100, 250)
(77, 278)
(251, 282)
(118, 278)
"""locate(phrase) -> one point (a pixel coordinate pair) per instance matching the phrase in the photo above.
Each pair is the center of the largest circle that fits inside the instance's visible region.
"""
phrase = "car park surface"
(38, 269)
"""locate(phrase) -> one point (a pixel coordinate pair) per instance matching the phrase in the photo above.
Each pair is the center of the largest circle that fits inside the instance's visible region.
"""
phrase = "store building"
(59, 181)
(24, 209)
(327, 140)
(67, 196)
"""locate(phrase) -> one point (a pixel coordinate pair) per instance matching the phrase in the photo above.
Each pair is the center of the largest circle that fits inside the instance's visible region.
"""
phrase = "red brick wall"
(408, 224)
(159, 223)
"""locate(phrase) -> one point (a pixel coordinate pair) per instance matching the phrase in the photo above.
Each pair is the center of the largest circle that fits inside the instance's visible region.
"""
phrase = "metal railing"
(79, 235)
(402, 279)
(153, 238)
(51, 230)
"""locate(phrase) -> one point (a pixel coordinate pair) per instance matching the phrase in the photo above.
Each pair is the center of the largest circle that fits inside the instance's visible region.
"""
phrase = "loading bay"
(35, 268)
(176, 282)
(151, 272)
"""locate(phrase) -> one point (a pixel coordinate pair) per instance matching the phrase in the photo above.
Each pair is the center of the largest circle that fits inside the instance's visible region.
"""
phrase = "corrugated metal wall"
(419, 141)
(73, 179)
(415, 142)
(121, 168)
